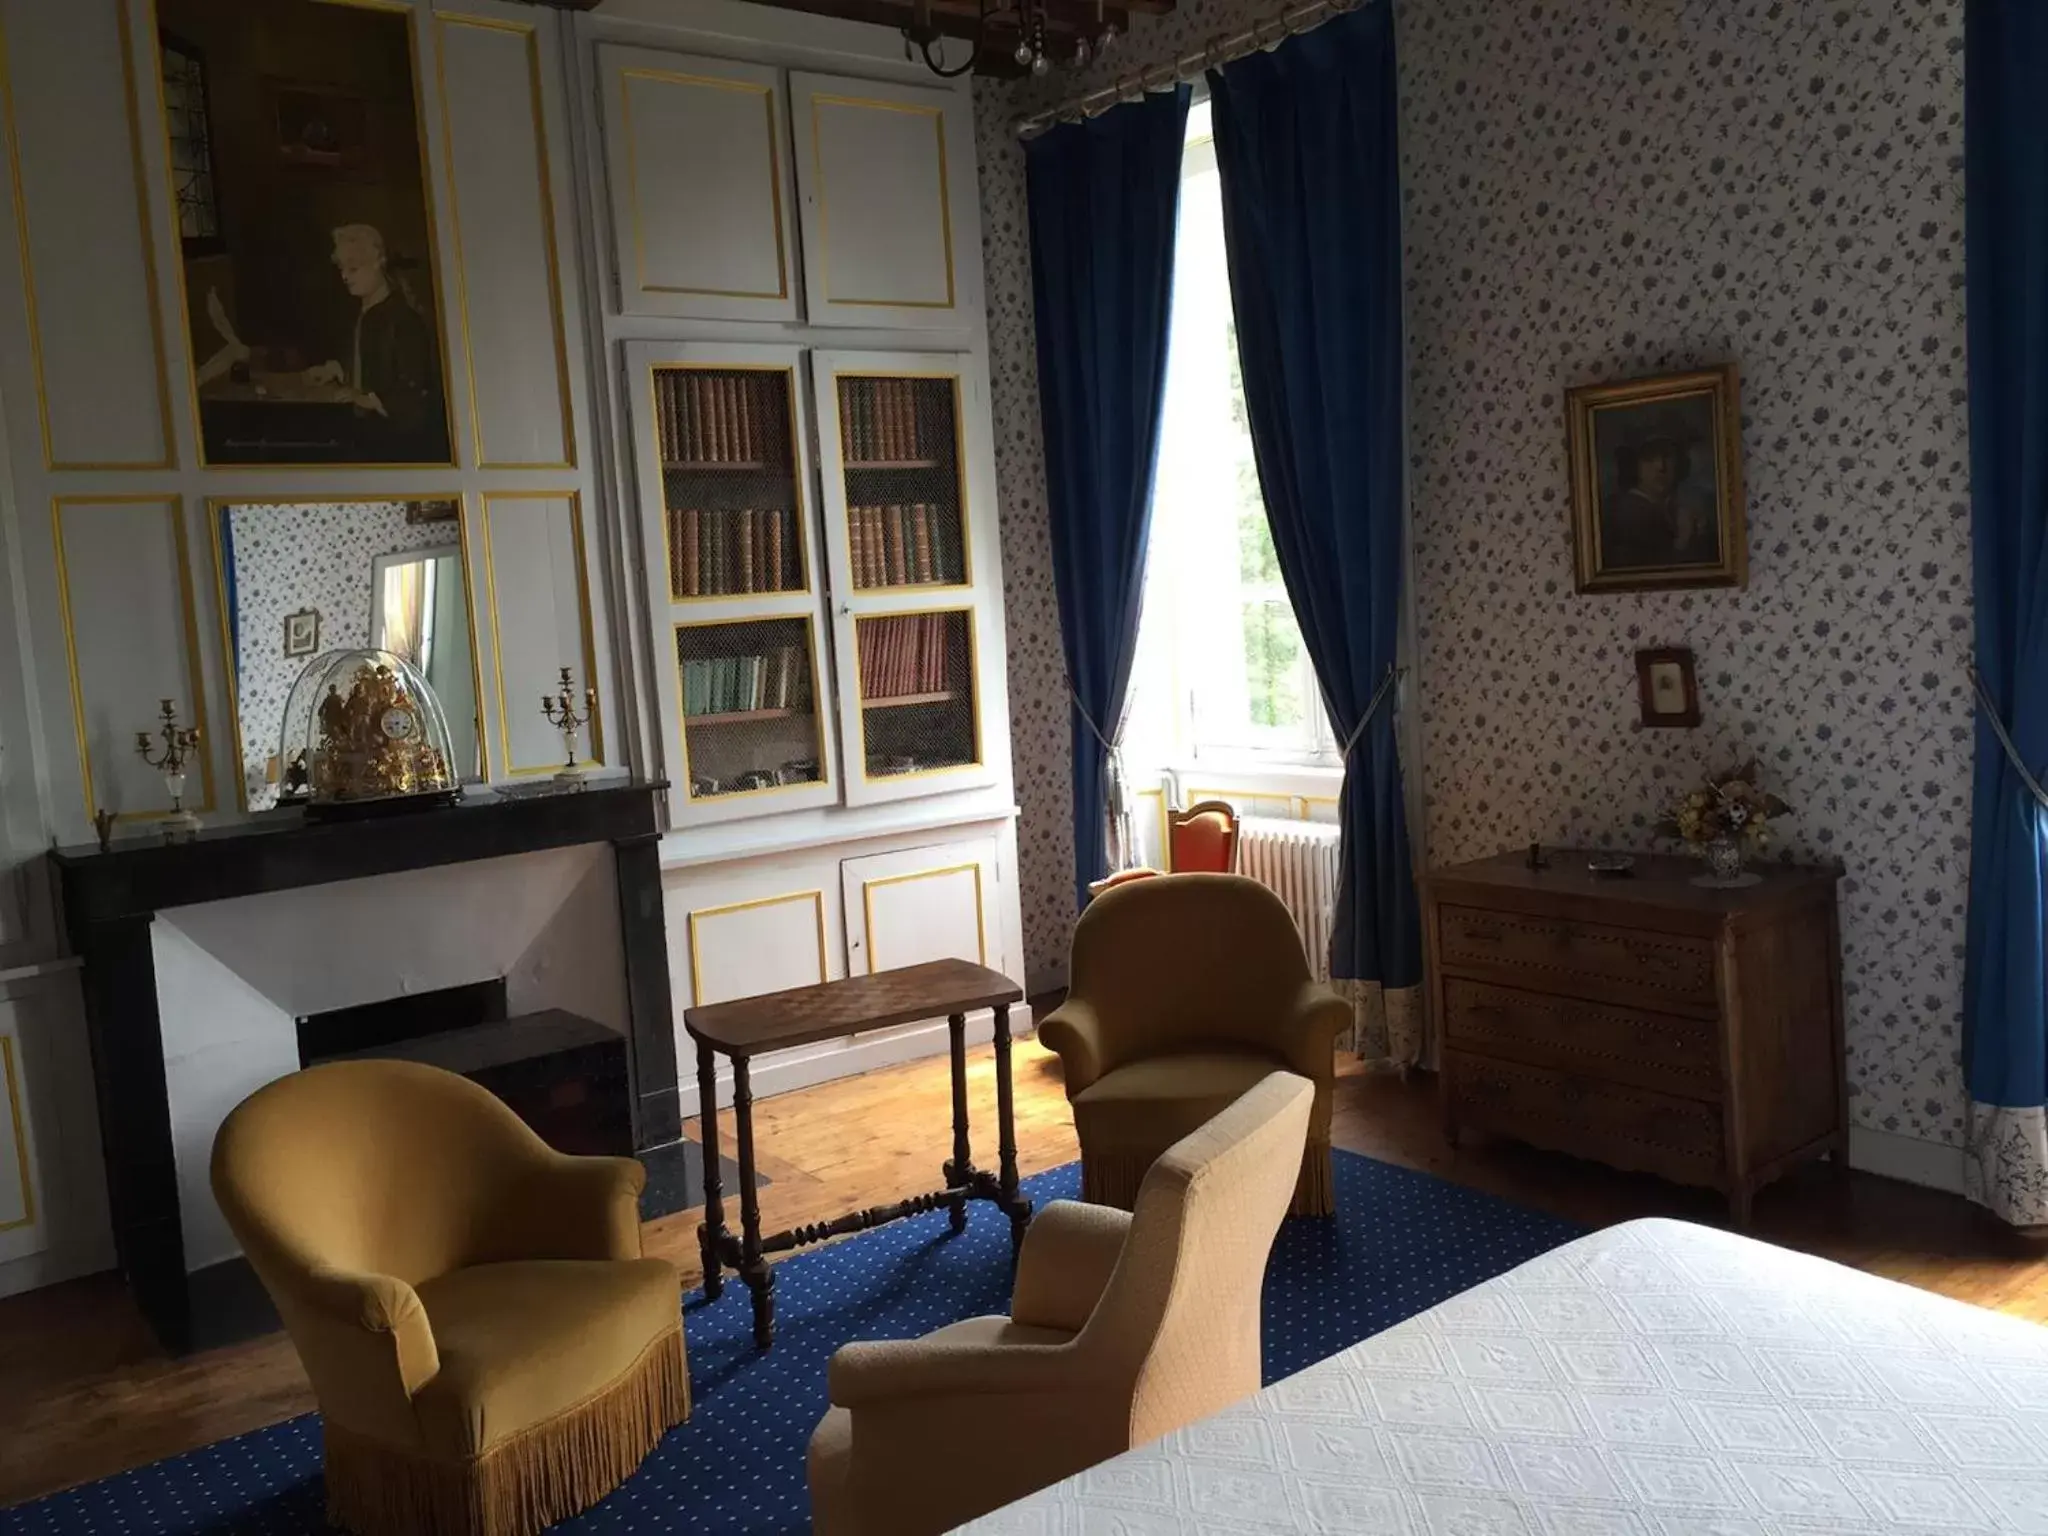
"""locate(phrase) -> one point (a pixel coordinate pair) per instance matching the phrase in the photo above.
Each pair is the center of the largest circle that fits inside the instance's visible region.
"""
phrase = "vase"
(1724, 856)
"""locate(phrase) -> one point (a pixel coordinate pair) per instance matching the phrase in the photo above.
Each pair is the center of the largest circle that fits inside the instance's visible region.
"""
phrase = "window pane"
(1272, 665)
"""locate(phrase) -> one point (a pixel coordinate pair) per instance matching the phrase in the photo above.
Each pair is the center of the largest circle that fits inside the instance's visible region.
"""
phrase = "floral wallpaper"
(294, 555)
(1594, 191)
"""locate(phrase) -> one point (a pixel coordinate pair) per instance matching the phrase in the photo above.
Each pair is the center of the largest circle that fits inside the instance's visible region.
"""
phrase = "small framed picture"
(302, 632)
(1656, 471)
(1670, 694)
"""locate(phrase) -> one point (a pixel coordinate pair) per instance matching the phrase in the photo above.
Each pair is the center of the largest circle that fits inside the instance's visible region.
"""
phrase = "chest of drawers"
(1643, 1022)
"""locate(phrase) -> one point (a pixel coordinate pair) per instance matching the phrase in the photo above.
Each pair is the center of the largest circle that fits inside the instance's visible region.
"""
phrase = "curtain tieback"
(1379, 697)
(1118, 809)
(2012, 753)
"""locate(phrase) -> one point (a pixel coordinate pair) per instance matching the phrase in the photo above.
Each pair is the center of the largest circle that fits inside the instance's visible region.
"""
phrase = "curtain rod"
(1189, 66)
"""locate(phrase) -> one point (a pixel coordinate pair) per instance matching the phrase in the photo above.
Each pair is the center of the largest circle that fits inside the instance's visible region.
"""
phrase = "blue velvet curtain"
(2005, 1008)
(1105, 200)
(1306, 148)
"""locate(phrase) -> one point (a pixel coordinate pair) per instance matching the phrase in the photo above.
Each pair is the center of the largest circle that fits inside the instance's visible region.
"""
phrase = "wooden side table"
(776, 1021)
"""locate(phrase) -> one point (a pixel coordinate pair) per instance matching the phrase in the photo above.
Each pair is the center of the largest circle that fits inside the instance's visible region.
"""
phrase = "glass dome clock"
(363, 730)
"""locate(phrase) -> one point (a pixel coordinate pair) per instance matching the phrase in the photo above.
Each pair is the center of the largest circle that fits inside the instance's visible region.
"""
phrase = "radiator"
(1297, 861)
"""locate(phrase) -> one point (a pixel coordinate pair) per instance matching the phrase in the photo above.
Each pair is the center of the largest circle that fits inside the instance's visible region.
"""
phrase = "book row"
(895, 420)
(898, 546)
(730, 685)
(722, 418)
(907, 654)
(716, 553)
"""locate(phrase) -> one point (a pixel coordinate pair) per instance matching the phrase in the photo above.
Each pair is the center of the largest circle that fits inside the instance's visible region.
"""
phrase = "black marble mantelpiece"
(110, 898)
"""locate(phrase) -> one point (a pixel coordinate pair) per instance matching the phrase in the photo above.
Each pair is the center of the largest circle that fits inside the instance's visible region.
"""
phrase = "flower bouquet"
(1724, 821)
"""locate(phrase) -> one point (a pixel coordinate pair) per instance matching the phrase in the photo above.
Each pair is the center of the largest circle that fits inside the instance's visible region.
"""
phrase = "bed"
(1653, 1378)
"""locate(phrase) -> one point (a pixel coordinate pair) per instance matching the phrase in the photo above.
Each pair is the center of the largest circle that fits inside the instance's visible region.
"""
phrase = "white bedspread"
(1653, 1378)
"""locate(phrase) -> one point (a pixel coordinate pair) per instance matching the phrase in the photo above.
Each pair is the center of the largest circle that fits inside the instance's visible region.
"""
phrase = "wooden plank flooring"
(84, 1392)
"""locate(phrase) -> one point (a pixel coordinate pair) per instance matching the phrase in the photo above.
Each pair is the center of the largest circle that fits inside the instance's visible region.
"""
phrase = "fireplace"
(215, 966)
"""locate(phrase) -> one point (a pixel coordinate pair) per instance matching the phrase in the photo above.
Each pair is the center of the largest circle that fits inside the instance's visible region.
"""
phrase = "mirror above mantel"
(299, 579)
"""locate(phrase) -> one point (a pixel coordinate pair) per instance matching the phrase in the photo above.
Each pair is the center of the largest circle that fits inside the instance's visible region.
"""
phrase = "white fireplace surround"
(234, 976)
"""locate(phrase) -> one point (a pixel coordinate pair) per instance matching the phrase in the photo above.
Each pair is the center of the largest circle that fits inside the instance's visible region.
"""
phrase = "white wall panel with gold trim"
(96, 395)
(892, 227)
(501, 205)
(533, 552)
(698, 168)
(53, 1211)
(22, 1230)
(130, 640)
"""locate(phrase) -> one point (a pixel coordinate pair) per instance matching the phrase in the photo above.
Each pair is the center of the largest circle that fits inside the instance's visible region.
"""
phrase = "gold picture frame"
(1656, 477)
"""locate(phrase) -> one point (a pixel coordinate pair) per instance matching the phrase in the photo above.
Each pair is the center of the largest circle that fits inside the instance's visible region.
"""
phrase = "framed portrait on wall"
(302, 632)
(1656, 474)
(305, 232)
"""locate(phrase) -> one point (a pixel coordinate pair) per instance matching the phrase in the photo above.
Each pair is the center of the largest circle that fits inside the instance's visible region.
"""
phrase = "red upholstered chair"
(1202, 840)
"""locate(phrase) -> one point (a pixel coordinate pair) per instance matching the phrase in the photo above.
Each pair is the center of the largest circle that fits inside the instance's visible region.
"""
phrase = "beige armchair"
(1121, 1328)
(490, 1352)
(1185, 990)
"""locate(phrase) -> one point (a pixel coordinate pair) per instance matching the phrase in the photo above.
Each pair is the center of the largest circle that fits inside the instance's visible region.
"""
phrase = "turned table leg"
(1015, 1204)
(959, 1172)
(711, 1230)
(754, 1269)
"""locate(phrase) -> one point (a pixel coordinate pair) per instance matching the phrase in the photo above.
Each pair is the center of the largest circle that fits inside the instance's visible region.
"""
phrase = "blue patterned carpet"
(1402, 1241)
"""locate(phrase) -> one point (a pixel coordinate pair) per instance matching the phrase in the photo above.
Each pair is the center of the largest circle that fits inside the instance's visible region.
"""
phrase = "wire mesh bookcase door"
(901, 541)
(721, 440)
(731, 481)
(904, 513)
(753, 718)
(917, 696)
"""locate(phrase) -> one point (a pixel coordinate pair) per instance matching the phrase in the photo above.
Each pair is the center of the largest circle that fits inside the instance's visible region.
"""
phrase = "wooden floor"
(83, 1391)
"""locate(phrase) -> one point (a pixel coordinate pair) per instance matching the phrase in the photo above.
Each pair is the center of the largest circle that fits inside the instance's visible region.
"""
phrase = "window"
(191, 140)
(1222, 671)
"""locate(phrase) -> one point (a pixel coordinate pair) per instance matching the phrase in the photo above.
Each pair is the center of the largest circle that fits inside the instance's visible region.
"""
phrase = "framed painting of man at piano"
(305, 232)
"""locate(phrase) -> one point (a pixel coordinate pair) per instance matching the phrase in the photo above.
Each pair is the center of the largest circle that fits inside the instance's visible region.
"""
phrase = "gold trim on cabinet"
(142, 233)
(824, 778)
(596, 726)
(1165, 837)
(979, 760)
(195, 674)
(28, 1190)
(797, 476)
(712, 82)
(938, 116)
(958, 381)
(867, 906)
(815, 897)
(547, 213)
(434, 273)
(215, 505)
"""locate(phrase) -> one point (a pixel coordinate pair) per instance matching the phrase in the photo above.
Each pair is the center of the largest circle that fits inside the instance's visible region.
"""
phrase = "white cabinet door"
(891, 231)
(910, 533)
(721, 435)
(938, 902)
(699, 184)
(22, 1230)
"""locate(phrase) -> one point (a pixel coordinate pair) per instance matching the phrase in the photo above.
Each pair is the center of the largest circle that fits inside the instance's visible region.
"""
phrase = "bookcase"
(755, 576)
(902, 520)
(722, 437)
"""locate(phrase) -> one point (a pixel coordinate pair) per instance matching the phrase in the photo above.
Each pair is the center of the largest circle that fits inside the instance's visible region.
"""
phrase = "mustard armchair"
(1184, 991)
(490, 1352)
(1122, 1327)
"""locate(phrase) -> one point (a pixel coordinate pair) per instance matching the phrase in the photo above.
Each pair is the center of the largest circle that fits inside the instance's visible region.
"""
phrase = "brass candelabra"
(559, 709)
(179, 743)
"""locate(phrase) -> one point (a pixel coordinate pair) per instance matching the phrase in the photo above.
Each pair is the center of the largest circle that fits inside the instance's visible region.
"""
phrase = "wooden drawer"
(1554, 951)
(1625, 1126)
(1652, 1050)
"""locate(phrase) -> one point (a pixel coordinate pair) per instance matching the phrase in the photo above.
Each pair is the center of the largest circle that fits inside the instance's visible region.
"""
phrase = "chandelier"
(1028, 20)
